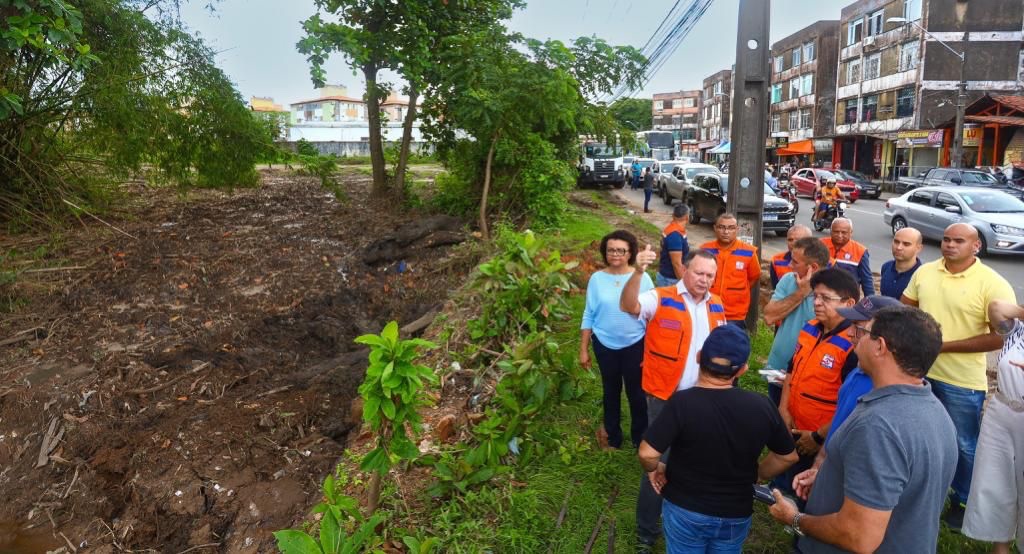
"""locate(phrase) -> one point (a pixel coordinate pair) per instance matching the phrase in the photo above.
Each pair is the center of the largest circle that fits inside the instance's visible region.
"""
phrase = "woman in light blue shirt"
(617, 336)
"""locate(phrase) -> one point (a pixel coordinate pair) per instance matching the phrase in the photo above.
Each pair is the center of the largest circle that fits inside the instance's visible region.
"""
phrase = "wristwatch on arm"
(796, 525)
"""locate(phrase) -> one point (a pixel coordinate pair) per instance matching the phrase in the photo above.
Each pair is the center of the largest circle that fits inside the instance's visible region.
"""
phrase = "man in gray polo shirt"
(888, 468)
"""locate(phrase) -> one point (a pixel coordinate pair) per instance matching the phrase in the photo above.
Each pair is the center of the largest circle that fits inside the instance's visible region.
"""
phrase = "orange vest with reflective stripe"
(733, 279)
(667, 341)
(848, 257)
(817, 375)
(672, 227)
(781, 264)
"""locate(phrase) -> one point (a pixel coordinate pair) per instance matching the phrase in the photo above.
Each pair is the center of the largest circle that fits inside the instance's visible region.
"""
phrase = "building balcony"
(871, 86)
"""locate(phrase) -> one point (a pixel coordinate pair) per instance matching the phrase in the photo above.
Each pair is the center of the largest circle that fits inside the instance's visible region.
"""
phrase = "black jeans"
(620, 367)
(648, 502)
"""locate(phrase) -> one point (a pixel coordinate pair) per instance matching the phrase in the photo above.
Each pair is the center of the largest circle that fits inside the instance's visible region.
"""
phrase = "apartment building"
(802, 92)
(679, 112)
(714, 115)
(989, 33)
(332, 105)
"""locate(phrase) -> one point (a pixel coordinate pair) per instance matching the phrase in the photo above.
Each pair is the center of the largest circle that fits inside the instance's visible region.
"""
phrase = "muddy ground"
(184, 381)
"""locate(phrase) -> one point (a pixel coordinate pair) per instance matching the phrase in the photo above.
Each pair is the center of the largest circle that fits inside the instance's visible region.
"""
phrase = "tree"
(408, 37)
(102, 90)
(632, 113)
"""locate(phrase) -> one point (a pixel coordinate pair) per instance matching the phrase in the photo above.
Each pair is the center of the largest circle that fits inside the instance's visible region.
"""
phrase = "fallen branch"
(21, 336)
(157, 388)
(73, 205)
(273, 391)
(198, 546)
(561, 516)
(50, 441)
(611, 537)
(419, 324)
(600, 521)
(49, 269)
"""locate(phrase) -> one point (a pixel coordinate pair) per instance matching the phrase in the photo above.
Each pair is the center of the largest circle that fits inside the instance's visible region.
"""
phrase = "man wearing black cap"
(716, 433)
(674, 248)
(887, 468)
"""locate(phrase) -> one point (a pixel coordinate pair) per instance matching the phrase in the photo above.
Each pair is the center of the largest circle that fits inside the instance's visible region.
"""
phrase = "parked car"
(998, 217)
(946, 176)
(673, 185)
(706, 198)
(807, 178)
(864, 184)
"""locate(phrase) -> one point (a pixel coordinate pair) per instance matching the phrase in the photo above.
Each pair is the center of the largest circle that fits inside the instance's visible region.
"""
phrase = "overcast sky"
(257, 38)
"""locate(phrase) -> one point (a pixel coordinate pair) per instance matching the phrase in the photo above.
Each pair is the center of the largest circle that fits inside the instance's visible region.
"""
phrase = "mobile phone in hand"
(763, 493)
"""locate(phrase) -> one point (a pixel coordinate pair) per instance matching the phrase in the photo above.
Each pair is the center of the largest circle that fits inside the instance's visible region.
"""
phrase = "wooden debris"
(50, 441)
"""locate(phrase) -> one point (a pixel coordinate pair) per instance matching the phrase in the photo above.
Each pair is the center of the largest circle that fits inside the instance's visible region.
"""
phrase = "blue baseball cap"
(727, 342)
(867, 307)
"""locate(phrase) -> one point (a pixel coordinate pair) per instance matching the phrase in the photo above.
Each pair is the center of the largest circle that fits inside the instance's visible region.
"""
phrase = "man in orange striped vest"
(738, 268)
(781, 262)
(849, 254)
(679, 318)
(823, 357)
(674, 248)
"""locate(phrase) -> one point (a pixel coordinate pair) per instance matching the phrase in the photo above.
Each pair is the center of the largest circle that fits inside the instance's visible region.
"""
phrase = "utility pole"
(750, 129)
(961, 107)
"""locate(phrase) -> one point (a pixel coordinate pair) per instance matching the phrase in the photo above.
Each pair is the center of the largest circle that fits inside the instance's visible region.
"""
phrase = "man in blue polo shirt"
(674, 248)
(895, 275)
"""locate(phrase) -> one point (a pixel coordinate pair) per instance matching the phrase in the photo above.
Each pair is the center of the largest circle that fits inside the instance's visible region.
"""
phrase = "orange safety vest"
(738, 269)
(781, 264)
(848, 257)
(667, 341)
(817, 374)
(674, 227)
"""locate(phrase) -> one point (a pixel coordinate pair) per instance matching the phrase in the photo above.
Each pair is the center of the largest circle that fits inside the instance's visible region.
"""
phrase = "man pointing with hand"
(679, 318)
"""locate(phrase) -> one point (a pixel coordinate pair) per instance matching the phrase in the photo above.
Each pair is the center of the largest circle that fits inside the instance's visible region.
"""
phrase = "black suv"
(706, 199)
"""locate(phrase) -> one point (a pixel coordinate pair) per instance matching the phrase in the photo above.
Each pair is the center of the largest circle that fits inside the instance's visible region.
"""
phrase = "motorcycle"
(788, 192)
(834, 211)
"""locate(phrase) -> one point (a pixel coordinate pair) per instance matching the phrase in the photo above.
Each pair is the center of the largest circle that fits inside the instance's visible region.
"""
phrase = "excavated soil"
(185, 380)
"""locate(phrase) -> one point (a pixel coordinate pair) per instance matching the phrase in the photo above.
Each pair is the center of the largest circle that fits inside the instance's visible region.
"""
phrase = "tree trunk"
(487, 187)
(373, 502)
(380, 185)
(403, 150)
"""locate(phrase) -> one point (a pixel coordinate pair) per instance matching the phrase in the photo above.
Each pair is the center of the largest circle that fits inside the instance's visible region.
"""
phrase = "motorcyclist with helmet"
(828, 195)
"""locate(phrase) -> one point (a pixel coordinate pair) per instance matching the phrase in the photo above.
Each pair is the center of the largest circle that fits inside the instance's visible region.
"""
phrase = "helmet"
(830, 181)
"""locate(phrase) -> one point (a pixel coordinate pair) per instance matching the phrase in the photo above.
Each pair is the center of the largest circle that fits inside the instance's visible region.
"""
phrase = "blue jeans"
(690, 532)
(662, 281)
(647, 197)
(964, 408)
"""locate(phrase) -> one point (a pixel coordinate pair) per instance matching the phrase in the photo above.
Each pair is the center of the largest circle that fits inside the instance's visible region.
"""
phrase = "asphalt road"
(869, 229)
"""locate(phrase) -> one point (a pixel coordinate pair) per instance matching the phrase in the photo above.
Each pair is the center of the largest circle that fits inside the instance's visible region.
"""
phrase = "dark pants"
(618, 368)
(741, 323)
(784, 481)
(647, 198)
(775, 393)
(648, 502)
(636, 181)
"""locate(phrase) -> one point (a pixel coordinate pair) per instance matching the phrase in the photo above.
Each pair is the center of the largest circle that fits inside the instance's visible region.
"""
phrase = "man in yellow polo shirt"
(956, 290)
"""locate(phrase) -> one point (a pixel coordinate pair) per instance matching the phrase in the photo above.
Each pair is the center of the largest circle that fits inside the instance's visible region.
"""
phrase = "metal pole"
(750, 129)
(961, 107)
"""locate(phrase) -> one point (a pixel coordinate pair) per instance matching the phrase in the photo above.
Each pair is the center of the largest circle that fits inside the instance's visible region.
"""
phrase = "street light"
(961, 100)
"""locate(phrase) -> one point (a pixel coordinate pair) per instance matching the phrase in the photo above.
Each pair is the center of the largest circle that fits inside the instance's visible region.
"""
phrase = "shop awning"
(721, 149)
(997, 119)
(797, 148)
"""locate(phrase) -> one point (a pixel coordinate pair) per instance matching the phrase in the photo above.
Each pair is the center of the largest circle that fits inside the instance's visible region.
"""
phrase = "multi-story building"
(991, 33)
(714, 116)
(802, 92)
(678, 112)
(876, 92)
(332, 105)
(264, 107)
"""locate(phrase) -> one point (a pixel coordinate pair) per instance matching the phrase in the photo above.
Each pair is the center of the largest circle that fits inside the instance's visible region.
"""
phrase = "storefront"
(800, 153)
(992, 126)
(704, 147)
(916, 151)
(861, 153)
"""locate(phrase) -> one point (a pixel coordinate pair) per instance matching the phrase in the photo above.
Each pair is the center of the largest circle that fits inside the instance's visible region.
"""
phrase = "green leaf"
(372, 340)
(388, 407)
(290, 541)
(390, 332)
(330, 534)
(376, 460)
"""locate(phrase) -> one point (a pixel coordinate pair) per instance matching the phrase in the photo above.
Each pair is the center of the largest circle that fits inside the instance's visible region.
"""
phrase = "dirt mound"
(191, 385)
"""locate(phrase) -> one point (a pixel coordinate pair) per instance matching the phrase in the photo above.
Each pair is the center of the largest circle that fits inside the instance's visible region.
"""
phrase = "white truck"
(600, 163)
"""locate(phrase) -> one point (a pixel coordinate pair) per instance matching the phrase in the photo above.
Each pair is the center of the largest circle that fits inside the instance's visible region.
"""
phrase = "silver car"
(998, 217)
(675, 185)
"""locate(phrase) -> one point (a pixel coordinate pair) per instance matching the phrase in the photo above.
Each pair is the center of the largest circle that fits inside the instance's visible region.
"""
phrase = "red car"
(807, 178)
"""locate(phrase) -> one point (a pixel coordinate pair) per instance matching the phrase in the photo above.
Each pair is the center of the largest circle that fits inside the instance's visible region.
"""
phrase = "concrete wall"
(350, 149)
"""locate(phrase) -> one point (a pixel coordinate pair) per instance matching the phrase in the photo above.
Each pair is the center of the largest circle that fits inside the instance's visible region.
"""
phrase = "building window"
(905, 102)
(872, 66)
(875, 22)
(688, 134)
(853, 31)
(850, 111)
(794, 120)
(796, 57)
(677, 103)
(869, 111)
(718, 110)
(809, 52)
(912, 10)
(689, 102)
(776, 122)
(908, 55)
(778, 64)
(718, 87)
(805, 118)
(794, 88)
(853, 72)
(806, 84)
(776, 93)
(659, 105)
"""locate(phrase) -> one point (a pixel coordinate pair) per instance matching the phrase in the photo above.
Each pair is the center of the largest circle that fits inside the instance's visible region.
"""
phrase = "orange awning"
(797, 148)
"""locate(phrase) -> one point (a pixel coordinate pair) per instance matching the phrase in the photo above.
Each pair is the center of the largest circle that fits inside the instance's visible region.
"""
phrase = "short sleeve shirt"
(785, 339)
(959, 302)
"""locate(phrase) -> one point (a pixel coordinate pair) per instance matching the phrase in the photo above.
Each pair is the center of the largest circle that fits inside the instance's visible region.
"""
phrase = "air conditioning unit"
(869, 41)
